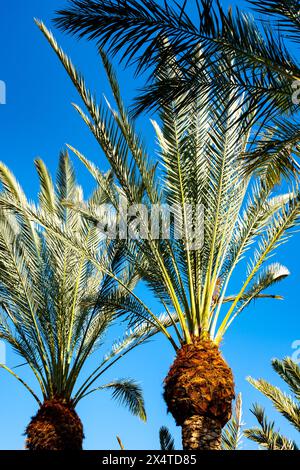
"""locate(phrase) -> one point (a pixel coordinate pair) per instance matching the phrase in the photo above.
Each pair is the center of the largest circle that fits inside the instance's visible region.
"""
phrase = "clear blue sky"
(37, 121)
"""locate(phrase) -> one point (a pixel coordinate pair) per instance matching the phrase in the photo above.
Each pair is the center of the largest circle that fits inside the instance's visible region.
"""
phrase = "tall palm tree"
(289, 407)
(200, 164)
(256, 57)
(53, 306)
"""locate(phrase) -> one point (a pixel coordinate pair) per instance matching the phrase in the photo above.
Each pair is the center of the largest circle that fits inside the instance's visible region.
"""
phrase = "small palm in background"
(53, 306)
(265, 434)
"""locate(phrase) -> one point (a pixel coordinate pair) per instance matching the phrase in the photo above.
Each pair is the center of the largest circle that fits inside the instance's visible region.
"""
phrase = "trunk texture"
(56, 426)
(199, 390)
(200, 433)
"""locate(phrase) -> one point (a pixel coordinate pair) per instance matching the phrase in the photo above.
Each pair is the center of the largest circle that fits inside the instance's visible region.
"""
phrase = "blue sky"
(38, 120)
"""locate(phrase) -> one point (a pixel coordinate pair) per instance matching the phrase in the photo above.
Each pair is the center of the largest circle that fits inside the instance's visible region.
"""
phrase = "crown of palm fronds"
(202, 167)
(55, 306)
(289, 407)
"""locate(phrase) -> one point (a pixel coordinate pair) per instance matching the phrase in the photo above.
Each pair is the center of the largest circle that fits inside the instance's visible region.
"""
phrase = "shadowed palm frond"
(128, 393)
(239, 55)
(253, 61)
(285, 404)
(166, 440)
(265, 435)
(286, 13)
(289, 407)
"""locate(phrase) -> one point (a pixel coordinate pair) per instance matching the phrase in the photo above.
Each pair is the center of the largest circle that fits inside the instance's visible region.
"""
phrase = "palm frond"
(166, 440)
(128, 393)
(265, 435)
(232, 434)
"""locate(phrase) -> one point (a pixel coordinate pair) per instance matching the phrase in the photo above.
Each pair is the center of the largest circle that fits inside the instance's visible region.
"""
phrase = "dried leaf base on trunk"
(56, 426)
(200, 433)
(199, 390)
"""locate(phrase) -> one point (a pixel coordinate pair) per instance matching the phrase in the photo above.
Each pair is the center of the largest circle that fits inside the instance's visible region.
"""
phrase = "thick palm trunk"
(201, 433)
(56, 426)
(199, 390)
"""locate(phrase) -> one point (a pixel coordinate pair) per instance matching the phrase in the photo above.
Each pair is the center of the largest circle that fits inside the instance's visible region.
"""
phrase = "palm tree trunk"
(199, 390)
(201, 433)
(56, 426)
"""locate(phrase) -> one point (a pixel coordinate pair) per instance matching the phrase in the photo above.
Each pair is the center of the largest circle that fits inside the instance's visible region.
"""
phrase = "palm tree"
(201, 169)
(289, 407)
(255, 58)
(53, 310)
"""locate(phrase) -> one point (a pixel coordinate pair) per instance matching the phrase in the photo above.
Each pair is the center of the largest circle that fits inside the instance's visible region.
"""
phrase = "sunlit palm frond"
(265, 435)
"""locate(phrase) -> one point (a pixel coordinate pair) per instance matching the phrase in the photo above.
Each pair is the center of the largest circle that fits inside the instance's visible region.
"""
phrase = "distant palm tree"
(52, 306)
(202, 166)
(255, 59)
(289, 407)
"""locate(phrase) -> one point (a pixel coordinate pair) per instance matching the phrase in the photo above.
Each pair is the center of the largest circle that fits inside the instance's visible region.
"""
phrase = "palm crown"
(52, 299)
(202, 165)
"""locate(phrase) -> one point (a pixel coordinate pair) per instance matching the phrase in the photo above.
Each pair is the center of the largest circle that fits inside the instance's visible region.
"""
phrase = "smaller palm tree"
(53, 306)
(265, 435)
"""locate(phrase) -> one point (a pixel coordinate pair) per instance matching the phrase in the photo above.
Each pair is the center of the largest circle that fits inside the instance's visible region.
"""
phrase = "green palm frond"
(265, 435)
(232, 433)
(289, 407)
(289, 371)
(128, 393)
(284, 403)
(276, 151)
(261, 64)
(166, 440)
(286, 14)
